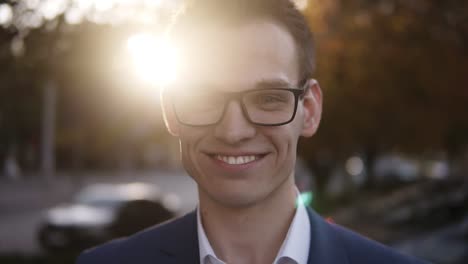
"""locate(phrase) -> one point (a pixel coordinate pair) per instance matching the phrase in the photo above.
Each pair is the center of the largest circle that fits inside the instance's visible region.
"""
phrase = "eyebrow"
(273, 83)
(262, 84)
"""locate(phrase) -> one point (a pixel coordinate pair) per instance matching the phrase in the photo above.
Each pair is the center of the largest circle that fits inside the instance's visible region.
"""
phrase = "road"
(447, 245)
(22, 202)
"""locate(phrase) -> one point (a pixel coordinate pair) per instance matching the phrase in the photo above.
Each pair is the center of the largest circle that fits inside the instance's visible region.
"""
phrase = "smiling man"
(242, 101)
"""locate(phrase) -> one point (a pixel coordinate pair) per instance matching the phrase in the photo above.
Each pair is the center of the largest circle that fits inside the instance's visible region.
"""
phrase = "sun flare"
(154, 58)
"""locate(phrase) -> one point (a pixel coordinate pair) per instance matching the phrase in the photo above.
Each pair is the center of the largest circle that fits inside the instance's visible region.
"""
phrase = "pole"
(48, 130)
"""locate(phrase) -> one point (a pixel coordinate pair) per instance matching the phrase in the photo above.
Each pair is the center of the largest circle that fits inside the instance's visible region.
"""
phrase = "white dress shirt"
(294, 250)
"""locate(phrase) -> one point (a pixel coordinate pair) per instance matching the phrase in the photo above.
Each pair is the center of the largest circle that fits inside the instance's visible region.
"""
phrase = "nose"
(234, 127)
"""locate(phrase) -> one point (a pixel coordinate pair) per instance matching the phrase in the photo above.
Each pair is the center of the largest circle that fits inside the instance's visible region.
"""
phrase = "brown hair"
(197, 14)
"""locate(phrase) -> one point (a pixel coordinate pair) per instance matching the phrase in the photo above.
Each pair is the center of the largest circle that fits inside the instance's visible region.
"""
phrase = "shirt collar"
(206, 251)
(295, 247)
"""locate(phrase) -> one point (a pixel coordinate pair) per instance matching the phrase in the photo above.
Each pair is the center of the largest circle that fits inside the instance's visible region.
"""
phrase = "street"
(22, 202)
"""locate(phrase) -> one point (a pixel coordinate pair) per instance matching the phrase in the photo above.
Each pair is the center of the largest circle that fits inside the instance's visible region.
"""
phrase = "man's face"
(234, 162)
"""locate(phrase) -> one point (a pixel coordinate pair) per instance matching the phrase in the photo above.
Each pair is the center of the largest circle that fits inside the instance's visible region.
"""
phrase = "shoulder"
(148, 245)
(331, 243)
(360, 249)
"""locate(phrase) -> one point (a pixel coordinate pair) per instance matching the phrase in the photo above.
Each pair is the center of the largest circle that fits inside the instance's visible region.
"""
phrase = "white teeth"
(236, 160)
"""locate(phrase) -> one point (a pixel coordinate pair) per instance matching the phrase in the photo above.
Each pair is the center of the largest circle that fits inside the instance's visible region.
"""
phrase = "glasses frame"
(237, 96)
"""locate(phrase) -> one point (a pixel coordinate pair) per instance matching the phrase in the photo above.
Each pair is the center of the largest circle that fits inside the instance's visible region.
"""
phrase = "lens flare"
(154, 58)
(305, 198)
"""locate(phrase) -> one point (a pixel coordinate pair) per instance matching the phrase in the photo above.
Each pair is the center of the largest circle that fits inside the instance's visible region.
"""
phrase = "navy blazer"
(176, 242)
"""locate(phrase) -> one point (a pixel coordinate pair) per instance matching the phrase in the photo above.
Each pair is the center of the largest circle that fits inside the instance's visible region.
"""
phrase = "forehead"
(241, 56)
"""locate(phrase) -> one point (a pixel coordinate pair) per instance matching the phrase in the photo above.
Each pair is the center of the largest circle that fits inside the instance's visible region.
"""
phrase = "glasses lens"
(201, 108)
(269, 106)
(266, 106)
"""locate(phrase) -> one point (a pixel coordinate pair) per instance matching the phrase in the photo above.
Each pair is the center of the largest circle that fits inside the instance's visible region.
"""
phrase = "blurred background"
(84, 155)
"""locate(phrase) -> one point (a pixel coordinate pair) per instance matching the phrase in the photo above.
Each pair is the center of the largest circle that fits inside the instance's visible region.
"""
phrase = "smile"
(237, 160)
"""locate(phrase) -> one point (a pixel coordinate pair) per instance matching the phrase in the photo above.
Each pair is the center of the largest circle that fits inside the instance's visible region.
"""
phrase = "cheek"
(189, 161)
(189, 140)
(184, 152)
(285, 142)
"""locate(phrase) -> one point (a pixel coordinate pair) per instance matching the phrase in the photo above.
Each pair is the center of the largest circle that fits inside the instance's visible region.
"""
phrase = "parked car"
(101, 212)
(448, 245)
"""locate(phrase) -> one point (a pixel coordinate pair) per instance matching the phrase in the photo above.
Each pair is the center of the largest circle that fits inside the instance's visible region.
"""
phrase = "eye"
(269, 100)
(199, 102)
(271, 97)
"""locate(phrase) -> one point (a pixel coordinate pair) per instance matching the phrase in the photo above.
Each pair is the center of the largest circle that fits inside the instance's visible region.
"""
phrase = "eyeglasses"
(264, 107)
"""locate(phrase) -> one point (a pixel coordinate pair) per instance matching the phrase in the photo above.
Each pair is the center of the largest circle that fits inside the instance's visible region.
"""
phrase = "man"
(242, 101)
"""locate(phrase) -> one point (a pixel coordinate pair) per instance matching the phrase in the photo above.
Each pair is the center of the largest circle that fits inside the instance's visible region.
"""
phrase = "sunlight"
(154, 59)
(6, 14)
(301, 4)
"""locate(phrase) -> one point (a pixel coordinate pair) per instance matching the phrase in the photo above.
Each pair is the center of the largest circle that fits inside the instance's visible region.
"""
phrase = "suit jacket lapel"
(325, 247)
(182, 241)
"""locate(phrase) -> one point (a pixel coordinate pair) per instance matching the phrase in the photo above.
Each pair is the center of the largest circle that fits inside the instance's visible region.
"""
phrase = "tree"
(394, 75)
(74, 45)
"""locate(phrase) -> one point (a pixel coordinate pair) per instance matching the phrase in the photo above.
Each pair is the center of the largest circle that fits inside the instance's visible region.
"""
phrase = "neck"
(252, 233)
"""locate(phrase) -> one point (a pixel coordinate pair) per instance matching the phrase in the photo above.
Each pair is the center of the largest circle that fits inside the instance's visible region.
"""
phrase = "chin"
(240, 199)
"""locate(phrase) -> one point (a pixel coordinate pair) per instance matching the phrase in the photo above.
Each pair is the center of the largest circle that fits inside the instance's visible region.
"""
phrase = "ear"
(168, 113)
(312, 106)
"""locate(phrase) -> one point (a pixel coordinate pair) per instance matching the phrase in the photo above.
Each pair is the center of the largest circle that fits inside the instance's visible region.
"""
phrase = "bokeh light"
(305, 198)
(6, 14)
(301, 4)
(354, 166)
